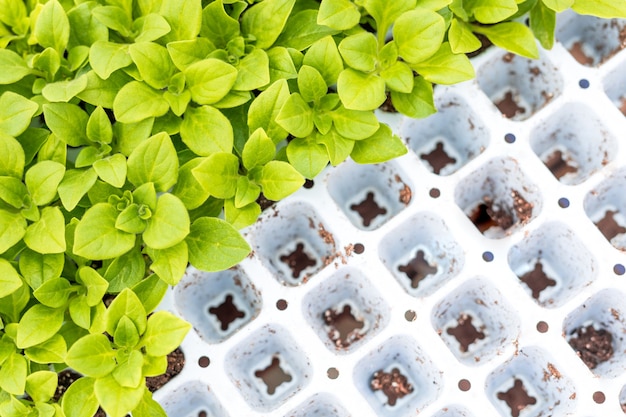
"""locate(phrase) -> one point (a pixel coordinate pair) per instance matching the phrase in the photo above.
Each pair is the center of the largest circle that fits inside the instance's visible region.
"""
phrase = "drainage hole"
(509, 138)
(410, 315)
(434, 192)
(599, 397)
(358, 248)
(204, 361)
(584, 83)
(542, 327)
(333, 373)
(563, 202)
(308, 184)
(202, 414)
(282, 304)
(488, 256)
(465, 385)
(619, 269)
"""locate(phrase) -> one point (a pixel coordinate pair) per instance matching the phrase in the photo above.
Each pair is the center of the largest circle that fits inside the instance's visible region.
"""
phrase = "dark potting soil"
(438, 158)
(465, 332)
(227, 312)
(485, 43)
(537, 280)
(488, 214)
(175, 364)
(368, 209)
(65, 379)
(298, 261)
(388, 106)
(591, 345)
(579, 55)
(264, 202)
(273, 375)
(418, 268)
(609, 226)
(517, 398)
(508, 106)
(558, 165)
(393, 384)
(344, 326)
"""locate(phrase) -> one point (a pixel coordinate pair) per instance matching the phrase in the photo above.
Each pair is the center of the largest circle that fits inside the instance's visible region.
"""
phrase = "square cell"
(194, 399)
(615, 86)
(605, 206)
(320, 405)
(217, 304)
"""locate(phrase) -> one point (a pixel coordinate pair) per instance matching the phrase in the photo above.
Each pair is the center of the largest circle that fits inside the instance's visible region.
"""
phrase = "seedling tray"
(479, 275)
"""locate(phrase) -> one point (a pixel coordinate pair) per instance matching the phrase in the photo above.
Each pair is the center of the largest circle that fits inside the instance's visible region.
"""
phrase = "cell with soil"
(449, 139)
(475, 322)
(369, 195)
(595, 332)
(614, 84)
(498, 198)
(574, 143)
(421, 254)
(517, 86)
(345, 311)
(217, 304)
(602, 205)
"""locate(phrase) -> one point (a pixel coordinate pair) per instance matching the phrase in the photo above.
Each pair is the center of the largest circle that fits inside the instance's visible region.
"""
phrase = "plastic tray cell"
(606, 208)
(193, 400)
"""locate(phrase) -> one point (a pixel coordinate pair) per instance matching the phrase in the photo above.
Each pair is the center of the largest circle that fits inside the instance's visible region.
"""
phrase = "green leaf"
(205, 130)
(99, 127)
(296, 117)
(47, 235)
(265, 21)
(494, 11)
(101, 92)
(360, 91)
(558, 5)
(12, 157)
(210, 80)
(114, 18)
(128, 372)
(461, 38)
(106, 57)
(153, 26)
(96, 285)
(253, 71)
(218, 174)
(112, 169)
(52, 350)
(64, 91)
(37, 325)
(164, 333)
(280, 64)
(247, 192)
(12, 229)
(38, 268)
(13, 14)
(154, 160)
(386, 12)
(307, 156)
(543, 24)
(75, 184)
(446, 67)
(184, 18)
(178, 102)
(41, 385)
(92, 356)
(125, 271)
(324, 56)
(302, 30)
(96, 236)
(380, 147)
(148, 407)
(12, 305)
(338, 14)
(130, 219)
(265, 108)
(217, 25)
(606, 9)
(48, 62)
(169, 223)
(512, 36)
(187, 188)
(80, 399)
(12, 67)
(398, 77)
(126, 335)
(418, 103)
(52, 27)
(85, 29)
(80, 312)
(360, 51)
(42, 180)
(214, 245)
(311, 84)
(240, 217)
(13, 192)
(153, 62)
(126, 304)
(258, 150)
(355, 124)
(54, 292)
(10, 281)
(152, 289)
(279, 179)
(418, 34)
(169, 263)
(16, 113)
(67, 121)
(115, 399)
(185, 53)
(337, 147)
(13, 374)
(54, 149)
(136, 102)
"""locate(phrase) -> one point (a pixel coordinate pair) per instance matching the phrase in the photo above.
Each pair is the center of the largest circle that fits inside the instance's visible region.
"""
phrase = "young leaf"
(42, 180)
(53, 293)
(360, 91)
(169, 223)
(170, 263)
(279, 179)
(106, 57)
(184, 18)
(253, 71)
(12, 229)
(13, 374)
(126, 304)
(418, 34)
(164, 333)
(64, 91)
(52, 350)
(75, 184)
(126, 271)
(354, 124)
(12, 67)
(386, 12)
(41, 385)
(338, 14)
(302, 30)
(398, 77)
(461, 38)
(265, 108)
(258, 150)
(126, 336)
(67, 121)
(153, 62)
(418, 103)
(16, 113)
(13, 192)
(543, 24)
(214, 245)
(265, 21)
(280, 64)
(296, 117)
(152, 289)
(606, 9)
(47, 235)
(205, 130)
(380, 147)
(148, 407)
(112, 169)
(37, 325)
(136, 102)
(115, 399)
(218, 174)
(217, 25)
(360, 51)
(38, 268)
(324, 56)
(154, 160)
(151, 27)
(80, 399)
(92, 356)
(52, 28)
(558, 5)
(12, 157)
(446, 67)
(210, 80)
(188, 189)
(512, 36)
(494, 11)
(185, 53)
(96, 236)
(311, 84)
(101, 92)
(99, 127)
(9, 279)
(113, 17)
(306, 156)
(337, 147)
(243, 216)
(130, 219)
(80, 312)
(247, 192)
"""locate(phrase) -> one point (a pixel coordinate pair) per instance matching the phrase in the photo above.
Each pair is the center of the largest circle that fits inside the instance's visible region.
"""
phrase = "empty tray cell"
(346, 310)
(595, 331)
(591, 40)
(615, 87)
(397, 379)
(605, 207)
(454, 411)
(194, 399)
(573, 144)
(320, 405)
(369, 195)
(293, 243)
(498, 198)
(268, 367)
(475, 322)
(449, 139)
(217, 304)
(518, 86)
(421, 254)
(622, 399)
(553, 264)
(530, 385)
